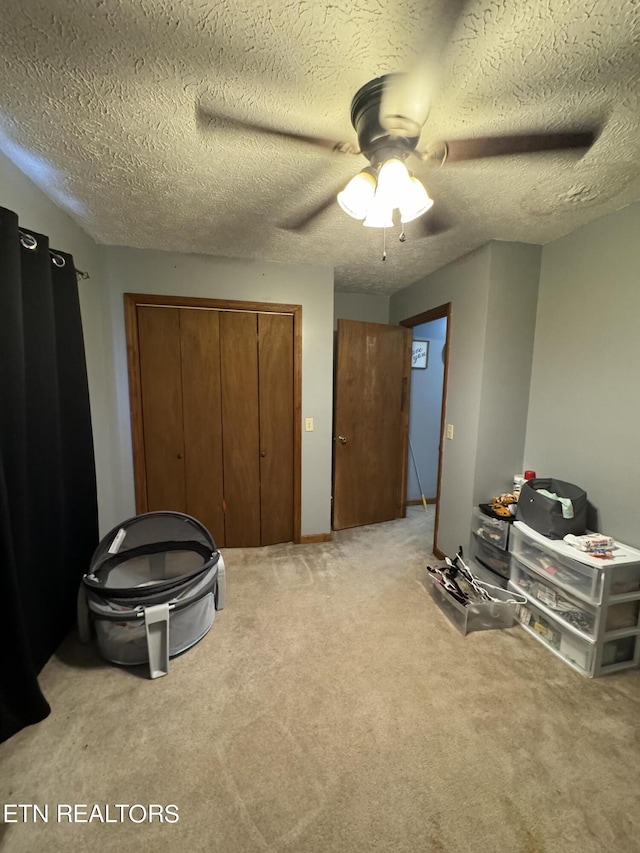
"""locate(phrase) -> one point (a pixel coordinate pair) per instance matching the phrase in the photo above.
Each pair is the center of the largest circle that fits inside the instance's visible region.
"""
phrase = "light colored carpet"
(333, 708)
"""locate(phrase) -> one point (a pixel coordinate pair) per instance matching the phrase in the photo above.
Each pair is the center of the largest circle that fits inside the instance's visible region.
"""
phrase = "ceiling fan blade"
(498, 146)
(207, 119)
(302, 221)
(407, 98)
(432, 224)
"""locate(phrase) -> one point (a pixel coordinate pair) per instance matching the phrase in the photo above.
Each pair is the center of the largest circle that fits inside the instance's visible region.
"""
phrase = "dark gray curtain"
(48, 508)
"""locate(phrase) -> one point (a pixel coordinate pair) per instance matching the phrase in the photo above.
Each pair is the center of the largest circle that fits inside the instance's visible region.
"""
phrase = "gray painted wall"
(145, 271)
(493, 292)
(361, 306)
(506, 372)
(37, 211)
(425, 410)
(584, 410)
(464, 283)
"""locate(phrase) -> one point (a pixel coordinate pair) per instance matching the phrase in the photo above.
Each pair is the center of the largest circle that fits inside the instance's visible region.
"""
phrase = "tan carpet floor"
(333, 709)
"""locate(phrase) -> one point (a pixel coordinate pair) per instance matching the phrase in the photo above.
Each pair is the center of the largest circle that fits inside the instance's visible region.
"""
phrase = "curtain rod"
(30, 242)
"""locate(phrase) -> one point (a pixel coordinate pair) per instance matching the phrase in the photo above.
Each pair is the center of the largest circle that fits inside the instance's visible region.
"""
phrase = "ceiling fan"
(388, 115)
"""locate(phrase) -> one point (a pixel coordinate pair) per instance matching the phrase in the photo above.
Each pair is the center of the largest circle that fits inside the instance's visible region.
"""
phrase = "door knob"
(263, 453)
(342, 439)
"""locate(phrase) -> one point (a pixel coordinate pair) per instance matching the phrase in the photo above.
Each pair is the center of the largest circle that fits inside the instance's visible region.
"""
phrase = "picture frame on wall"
(419, 354)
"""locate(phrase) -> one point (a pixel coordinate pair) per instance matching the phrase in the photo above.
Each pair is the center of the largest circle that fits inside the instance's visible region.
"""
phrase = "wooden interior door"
(275, 363)
(161, 392)
(240, 427)
(180, 384)
(202, 418)
(215, 411)
(373, 363)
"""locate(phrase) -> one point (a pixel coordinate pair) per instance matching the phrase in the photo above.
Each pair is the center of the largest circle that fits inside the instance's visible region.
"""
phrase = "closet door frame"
(131, 303)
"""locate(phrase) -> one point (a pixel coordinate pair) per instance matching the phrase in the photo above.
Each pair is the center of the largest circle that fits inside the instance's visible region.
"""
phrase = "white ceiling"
(98, 105)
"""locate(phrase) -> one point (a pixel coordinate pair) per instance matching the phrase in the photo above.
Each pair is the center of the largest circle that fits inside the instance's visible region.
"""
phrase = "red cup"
(529, 475)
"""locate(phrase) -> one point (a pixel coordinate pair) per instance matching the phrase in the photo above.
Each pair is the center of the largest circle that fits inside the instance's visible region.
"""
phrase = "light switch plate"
(308, 424)
(450, 431)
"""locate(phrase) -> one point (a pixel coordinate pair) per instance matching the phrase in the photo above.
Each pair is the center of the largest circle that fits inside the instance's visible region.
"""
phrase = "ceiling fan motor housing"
(375, 142)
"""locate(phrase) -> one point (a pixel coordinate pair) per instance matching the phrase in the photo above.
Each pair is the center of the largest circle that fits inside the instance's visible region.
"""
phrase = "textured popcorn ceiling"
(98, 104)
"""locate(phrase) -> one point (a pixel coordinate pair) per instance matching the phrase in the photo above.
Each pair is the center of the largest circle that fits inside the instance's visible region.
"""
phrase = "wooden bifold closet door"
(217, 399)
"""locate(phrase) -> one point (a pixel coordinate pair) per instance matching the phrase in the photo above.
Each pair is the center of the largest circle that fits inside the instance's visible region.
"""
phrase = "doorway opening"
(431, 335)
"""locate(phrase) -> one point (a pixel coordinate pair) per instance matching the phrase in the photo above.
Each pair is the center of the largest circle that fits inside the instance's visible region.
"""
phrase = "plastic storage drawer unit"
(572, 612)
(574, 650)
(576, 578)
(586, 609)
(494, 530)
(489, 555)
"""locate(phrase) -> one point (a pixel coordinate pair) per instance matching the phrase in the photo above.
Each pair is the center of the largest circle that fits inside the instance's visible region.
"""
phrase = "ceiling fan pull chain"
(384, 244)
(402, 236)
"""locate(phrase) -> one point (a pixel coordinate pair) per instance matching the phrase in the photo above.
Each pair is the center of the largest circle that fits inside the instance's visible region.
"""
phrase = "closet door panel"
(202, 408)
(275, 358)
(240, 427)
(161, 386)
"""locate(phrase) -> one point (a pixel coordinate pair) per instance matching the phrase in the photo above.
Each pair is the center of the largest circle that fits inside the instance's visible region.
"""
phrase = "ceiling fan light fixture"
(394, 183)
(357, 197)
(375, 192)
(416, 203)
(380, 214)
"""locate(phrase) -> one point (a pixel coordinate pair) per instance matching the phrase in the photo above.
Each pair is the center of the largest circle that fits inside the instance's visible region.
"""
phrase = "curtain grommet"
(28, 241)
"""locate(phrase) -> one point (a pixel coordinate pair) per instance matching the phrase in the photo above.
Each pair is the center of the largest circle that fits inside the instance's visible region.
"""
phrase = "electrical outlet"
(308, 424)
(450, 431)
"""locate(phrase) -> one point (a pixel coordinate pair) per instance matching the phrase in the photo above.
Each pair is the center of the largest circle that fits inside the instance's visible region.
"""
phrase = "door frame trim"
(131, 303)
(438, 313)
